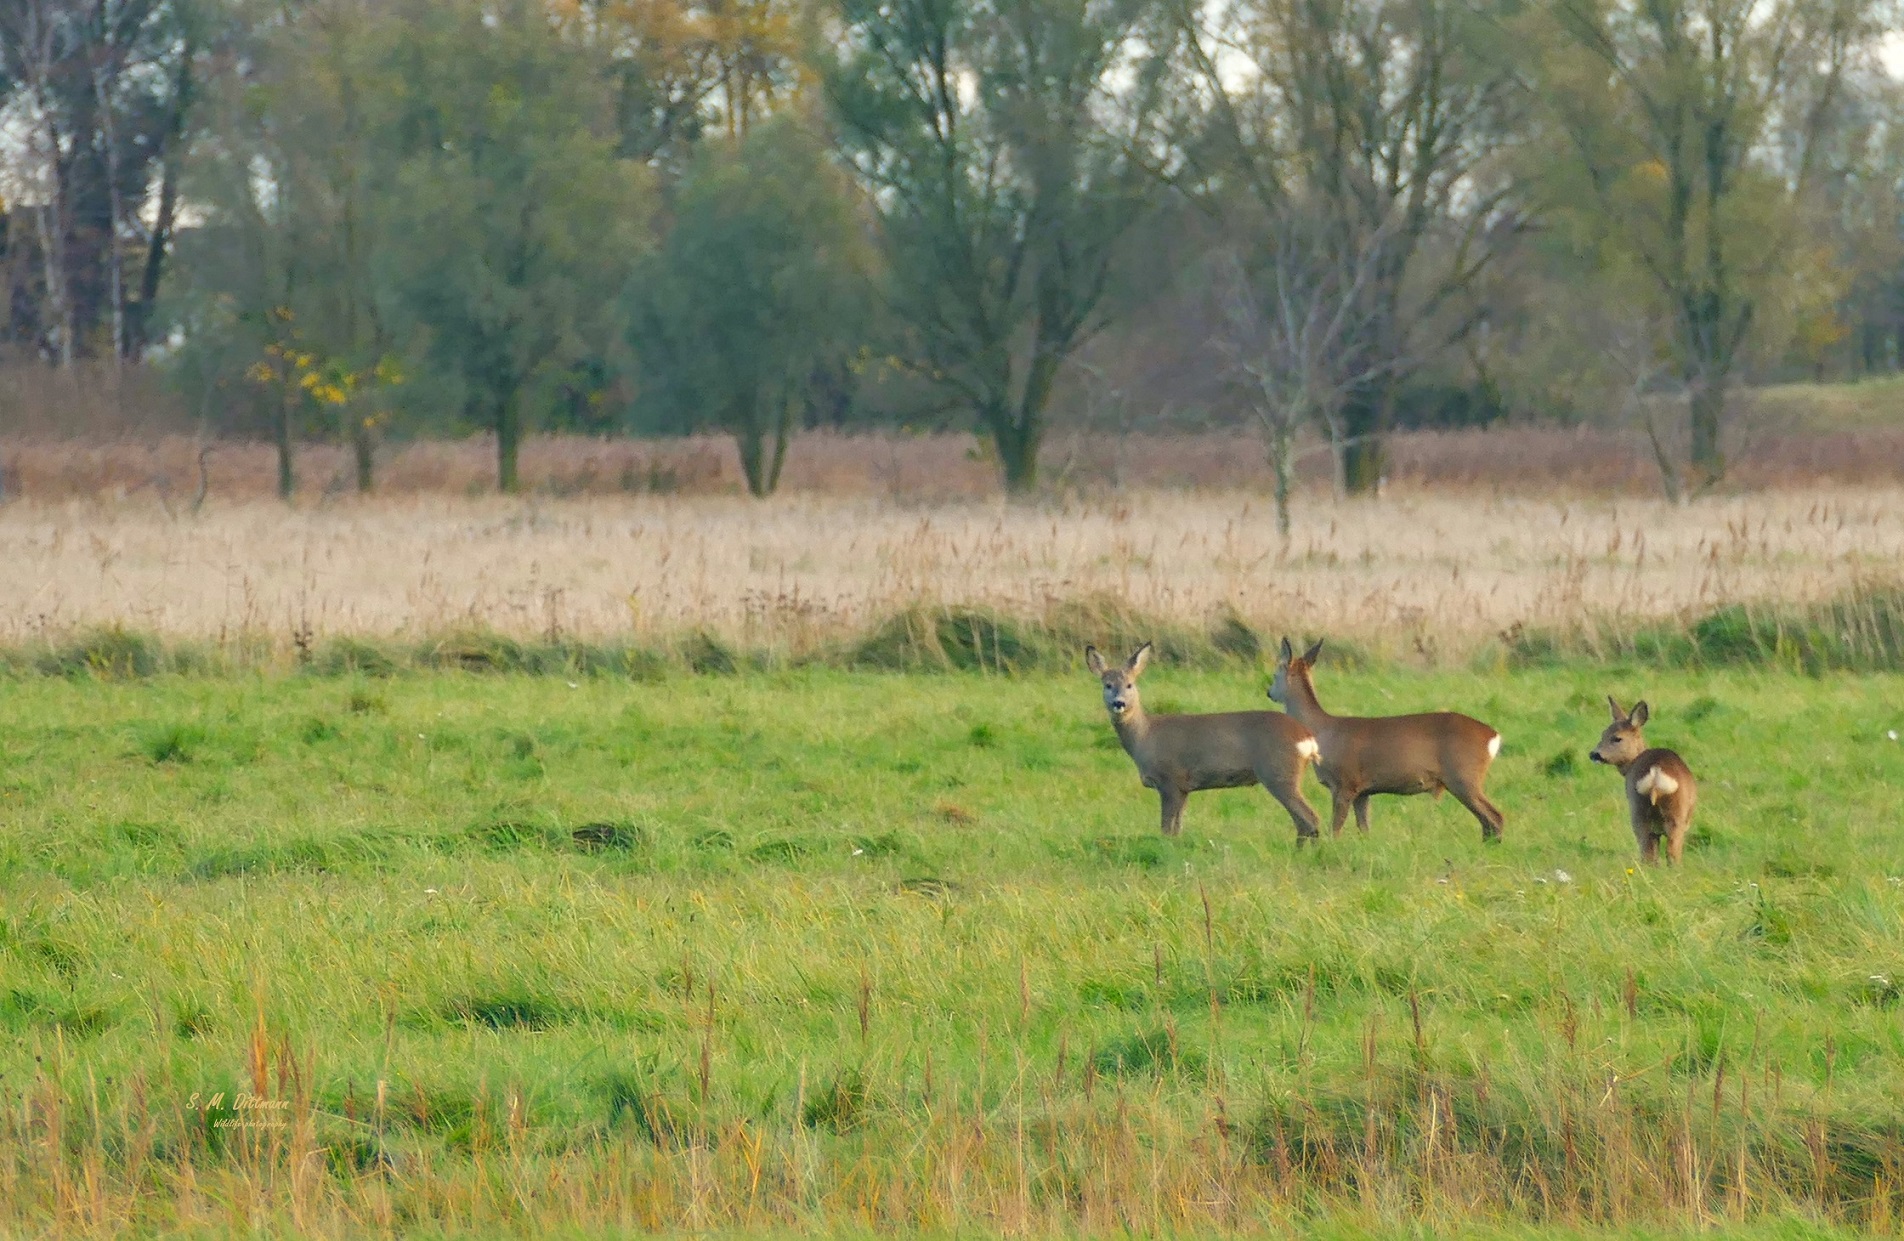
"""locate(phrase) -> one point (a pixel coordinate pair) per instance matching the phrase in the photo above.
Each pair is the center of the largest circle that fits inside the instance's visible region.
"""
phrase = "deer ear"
(1140, 657)
(1619, 712)
(1313, 653)
(1640, 714)
(1286, 653)
(1094, 661)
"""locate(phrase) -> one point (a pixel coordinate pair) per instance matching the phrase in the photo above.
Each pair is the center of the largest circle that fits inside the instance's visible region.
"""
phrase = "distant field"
(904, 953)
(1431, 574)
(1793, 437)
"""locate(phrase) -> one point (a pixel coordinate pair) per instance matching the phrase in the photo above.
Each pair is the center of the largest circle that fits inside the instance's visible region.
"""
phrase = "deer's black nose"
(1594, 756)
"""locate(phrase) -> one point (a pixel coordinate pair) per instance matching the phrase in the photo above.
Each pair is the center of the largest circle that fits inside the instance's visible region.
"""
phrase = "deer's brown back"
(1224, 750)
(1404, 753)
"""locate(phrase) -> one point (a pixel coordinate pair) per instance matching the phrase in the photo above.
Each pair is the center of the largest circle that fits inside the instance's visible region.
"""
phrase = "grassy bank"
(874, 951)
(1861, 630)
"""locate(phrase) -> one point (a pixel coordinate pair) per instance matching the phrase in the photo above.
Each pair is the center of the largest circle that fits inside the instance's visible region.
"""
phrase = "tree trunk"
(508, 438)
(51, 216)
(140, 325)
(287, 468)
(1706, 412)
(783, 433)
(363, 443)
(750, 438)
(1016, 441)
(1018, 454)
(1338, 457)
(115, 252)
(1365, 454)
(1280, 446)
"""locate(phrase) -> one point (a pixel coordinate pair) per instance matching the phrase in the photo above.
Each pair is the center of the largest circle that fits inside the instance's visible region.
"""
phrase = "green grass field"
(882, 952)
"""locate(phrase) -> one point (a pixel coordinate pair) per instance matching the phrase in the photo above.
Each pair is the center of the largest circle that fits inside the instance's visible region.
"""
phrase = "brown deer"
(1179, 754)
(1660, 790)
(1389, 754)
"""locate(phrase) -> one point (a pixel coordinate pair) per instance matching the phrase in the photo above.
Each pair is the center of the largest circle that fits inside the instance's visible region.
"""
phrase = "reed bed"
(1428, 573)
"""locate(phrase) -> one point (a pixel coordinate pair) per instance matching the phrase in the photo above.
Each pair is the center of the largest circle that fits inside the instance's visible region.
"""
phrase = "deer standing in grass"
(1660, 790)
(1389, 754)
(1179, 754)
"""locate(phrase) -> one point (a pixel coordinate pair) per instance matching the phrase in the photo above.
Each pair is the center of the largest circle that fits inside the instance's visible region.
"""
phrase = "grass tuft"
(506, 1010)
(1151, 1050)
(596, 837)
(170, 743)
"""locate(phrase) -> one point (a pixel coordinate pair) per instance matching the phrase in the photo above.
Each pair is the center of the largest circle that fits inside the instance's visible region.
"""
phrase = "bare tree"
(34, 35)
(104, 64)
(1630, 347)
(1297, 323)
(1385, 117)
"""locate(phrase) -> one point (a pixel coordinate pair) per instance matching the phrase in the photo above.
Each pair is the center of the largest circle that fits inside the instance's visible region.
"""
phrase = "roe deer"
(1389, 754)
(1179, 754)
(1660, 790)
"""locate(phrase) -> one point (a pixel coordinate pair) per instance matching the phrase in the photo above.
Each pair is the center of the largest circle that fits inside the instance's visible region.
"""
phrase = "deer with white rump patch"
(1179, 754)
(1389, 754)
(1660, 790)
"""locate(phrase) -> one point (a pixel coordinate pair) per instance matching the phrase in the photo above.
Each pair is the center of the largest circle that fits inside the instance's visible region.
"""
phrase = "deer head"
(1285, 659)
(1621, 743)
(1120, 683)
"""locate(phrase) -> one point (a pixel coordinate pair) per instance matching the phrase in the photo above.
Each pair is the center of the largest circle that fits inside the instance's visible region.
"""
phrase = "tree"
(1688, 134)
(516, 222)
(288, 280)
(999, 141)
(682, 67)
(1381, 120)
(99, 92)
(1292, 331)
(758, 288)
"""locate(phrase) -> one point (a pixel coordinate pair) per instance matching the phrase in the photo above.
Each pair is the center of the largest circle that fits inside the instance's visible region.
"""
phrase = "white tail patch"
(1308, 748)
(1657, 784)
(1494, 746)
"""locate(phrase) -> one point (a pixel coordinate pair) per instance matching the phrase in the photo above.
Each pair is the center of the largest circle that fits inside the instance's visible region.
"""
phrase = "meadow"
(646, 858)
(851, 951)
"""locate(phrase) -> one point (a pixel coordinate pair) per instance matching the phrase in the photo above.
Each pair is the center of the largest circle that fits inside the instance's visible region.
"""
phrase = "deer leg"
(1676, 841)
(1338, 809)
(1481, 808)
(1648, 839)
(1361, 813)
(1172, 799)
(1289, 796)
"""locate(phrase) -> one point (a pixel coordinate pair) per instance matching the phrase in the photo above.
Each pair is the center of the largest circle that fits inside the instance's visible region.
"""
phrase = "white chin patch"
(1308, 748)
(1494, 746)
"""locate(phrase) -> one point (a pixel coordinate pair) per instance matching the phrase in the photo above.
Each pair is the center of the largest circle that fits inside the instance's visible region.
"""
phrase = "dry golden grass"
(1430, 571)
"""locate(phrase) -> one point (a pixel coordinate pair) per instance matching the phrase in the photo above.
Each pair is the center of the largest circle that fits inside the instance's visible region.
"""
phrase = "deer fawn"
(1391, 754)
(1180, 754)
(1660, 790)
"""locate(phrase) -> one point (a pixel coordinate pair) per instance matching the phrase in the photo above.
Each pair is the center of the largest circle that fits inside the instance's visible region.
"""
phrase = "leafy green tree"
(296, 172)
(759, 288)
(999, 140)
(1689, 134)
(517, 224)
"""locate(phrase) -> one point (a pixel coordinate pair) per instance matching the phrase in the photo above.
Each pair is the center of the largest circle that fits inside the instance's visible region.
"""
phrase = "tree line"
(364, 219)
